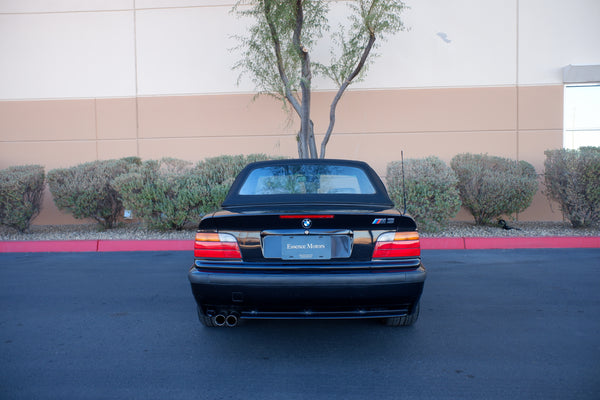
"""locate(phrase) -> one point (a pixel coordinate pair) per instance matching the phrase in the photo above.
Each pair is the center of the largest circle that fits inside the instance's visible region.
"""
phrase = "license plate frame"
(306, 247)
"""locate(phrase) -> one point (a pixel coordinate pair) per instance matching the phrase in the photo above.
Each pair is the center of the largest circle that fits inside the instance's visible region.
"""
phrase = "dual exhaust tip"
(230, 320)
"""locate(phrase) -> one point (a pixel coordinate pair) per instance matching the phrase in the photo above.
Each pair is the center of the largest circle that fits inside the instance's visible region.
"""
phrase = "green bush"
(21, 193)
(87, 190)
(572, 178)
(170, 193)
(431, 194)
(220, 173)
(165, 194)
(491, 187)
(219, 169)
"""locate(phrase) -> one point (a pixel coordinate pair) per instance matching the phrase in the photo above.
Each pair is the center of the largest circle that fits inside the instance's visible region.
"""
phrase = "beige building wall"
(96, 79)
(373, 126)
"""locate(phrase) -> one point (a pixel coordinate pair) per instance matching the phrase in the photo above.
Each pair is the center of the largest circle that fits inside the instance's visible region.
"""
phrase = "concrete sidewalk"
(450, 243)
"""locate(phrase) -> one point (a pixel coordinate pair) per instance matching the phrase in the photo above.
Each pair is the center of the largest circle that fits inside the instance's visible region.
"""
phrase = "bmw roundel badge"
(306, 223)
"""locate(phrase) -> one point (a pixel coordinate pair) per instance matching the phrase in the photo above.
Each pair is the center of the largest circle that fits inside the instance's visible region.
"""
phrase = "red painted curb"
(49, 246)
(456, 243)
(145, 245)
(554, 242)
(69, 246)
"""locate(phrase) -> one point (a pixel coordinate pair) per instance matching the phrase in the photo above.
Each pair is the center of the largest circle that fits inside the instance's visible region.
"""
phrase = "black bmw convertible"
(307, 239)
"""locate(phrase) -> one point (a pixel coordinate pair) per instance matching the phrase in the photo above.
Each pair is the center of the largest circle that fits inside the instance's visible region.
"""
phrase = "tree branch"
(280, 67)
(342, 89)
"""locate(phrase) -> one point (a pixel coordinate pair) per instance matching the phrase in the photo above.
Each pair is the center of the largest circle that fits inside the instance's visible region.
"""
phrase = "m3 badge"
(379, 221)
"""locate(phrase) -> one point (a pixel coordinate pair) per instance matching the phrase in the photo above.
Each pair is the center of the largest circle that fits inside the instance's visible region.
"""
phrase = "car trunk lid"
(318, 237)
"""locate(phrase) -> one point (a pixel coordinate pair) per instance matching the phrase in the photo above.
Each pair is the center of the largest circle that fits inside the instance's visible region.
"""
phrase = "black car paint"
(354, 287)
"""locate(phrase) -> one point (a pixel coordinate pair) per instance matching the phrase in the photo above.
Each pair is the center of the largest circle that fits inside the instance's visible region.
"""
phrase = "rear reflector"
(216, 245)
(397, 244)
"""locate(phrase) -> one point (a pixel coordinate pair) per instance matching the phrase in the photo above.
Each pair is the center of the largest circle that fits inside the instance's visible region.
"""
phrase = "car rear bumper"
(356, 294)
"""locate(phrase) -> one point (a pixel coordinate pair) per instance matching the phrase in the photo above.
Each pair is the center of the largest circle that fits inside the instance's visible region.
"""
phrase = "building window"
(582, 115)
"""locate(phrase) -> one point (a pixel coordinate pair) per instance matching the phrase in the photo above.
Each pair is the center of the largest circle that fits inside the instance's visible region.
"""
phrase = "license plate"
(307, 247)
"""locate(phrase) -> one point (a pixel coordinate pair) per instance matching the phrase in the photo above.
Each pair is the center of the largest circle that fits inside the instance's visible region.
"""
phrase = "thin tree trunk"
(305, 83)
(301, 145)
(296, 105)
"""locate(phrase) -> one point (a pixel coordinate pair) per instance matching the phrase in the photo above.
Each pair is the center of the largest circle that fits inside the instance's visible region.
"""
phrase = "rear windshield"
(307, 183)
(306, 179)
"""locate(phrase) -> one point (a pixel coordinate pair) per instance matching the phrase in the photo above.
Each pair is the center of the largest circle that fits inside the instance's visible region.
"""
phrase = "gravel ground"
(137, 231)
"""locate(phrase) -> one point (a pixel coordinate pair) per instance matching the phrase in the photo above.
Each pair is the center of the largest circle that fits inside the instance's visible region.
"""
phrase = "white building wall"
(67, 55)
(554, 34)
(187, 50)
(123, 48)
(56, 6)
(460, 43)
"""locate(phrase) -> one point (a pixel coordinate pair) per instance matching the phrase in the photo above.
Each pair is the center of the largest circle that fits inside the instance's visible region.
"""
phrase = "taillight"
(216, 245)
(397, 244)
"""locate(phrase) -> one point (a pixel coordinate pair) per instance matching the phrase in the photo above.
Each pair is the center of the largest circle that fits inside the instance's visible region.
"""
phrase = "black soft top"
(377, 198)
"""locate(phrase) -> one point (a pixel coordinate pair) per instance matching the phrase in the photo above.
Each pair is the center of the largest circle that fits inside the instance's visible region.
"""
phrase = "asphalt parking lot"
(495, 324)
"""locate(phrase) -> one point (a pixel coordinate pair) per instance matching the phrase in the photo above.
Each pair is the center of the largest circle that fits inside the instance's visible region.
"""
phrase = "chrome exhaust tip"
(219, 320)
(231, 320)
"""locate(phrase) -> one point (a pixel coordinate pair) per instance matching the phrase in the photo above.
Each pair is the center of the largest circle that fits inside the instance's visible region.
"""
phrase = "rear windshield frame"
(380, 197)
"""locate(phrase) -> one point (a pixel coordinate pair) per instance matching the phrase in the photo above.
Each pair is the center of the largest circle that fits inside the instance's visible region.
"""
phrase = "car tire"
(205, 319)
(406, 320)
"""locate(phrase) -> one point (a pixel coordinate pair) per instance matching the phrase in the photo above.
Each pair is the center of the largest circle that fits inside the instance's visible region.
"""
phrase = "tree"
(276, 52)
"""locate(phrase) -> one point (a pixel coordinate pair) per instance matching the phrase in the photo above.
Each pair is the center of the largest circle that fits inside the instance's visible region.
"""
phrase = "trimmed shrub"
(21, 194)
(491, 187)
(218, 169)
(431, 194)
(572, 178)
(220, 172)
(165, 194)
(170, 193)
(87, 190)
